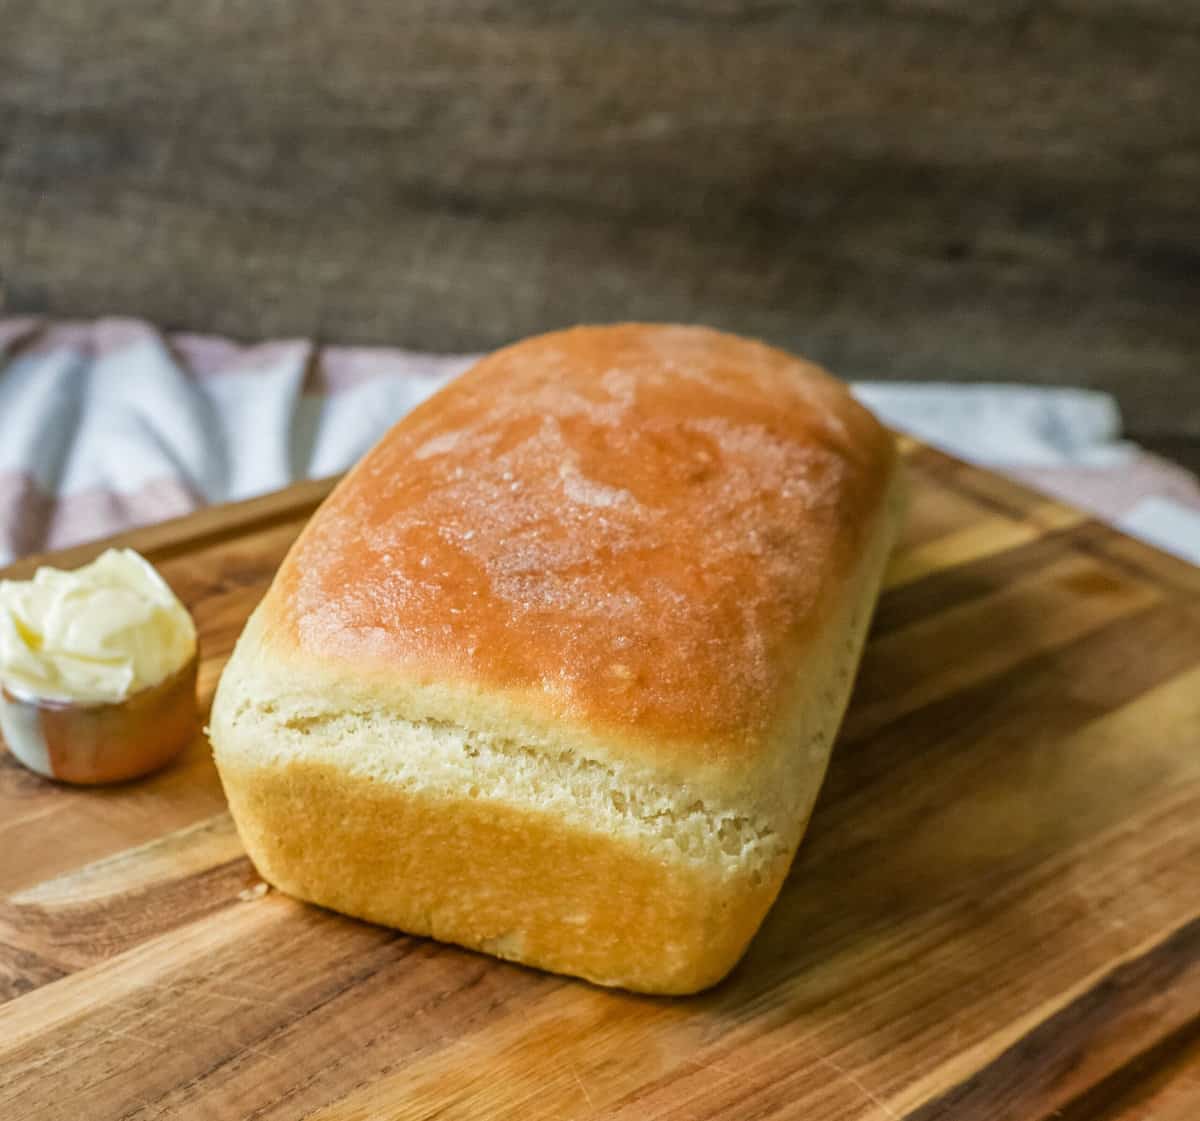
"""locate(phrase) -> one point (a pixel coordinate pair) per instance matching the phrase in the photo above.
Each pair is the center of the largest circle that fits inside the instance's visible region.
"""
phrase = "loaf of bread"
(555, 671)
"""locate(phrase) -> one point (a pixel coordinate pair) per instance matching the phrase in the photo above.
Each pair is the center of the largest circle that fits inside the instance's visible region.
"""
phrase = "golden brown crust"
(519, 885)
(555, 672)
(634, 528)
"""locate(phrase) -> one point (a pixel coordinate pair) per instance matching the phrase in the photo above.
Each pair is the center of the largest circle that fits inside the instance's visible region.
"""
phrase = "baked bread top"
(632, 530)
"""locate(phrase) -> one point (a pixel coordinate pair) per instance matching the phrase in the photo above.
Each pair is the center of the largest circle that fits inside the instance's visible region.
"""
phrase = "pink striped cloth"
(113, 424)
(110, 424)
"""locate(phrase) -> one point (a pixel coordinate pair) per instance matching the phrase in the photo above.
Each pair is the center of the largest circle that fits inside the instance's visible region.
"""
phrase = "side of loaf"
(555, 671)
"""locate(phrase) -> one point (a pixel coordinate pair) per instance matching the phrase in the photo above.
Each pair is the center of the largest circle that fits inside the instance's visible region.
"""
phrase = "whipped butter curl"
(97, 634)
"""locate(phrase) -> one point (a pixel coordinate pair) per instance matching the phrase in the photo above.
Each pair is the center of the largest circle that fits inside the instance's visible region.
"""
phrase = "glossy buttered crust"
(611, 585)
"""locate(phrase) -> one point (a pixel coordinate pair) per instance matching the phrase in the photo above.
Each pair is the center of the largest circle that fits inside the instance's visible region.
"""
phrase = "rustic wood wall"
(984, 189)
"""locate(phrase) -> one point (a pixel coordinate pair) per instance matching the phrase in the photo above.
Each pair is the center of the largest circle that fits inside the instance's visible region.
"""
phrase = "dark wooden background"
(967, 189)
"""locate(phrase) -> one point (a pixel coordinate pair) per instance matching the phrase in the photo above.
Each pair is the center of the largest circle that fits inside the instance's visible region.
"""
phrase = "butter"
(97, 634)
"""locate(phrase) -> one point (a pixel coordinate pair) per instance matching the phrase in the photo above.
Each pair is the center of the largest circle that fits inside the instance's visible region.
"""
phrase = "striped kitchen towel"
(111, 424)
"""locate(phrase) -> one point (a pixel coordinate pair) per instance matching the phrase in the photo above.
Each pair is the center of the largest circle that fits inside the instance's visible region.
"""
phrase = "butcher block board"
(995, 914)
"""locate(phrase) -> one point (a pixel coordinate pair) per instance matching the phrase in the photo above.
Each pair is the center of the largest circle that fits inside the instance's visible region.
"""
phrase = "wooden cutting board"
(996, 913)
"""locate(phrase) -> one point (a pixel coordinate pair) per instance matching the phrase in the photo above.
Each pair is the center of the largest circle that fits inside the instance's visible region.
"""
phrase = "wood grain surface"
(965, 189)
(995, 915)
